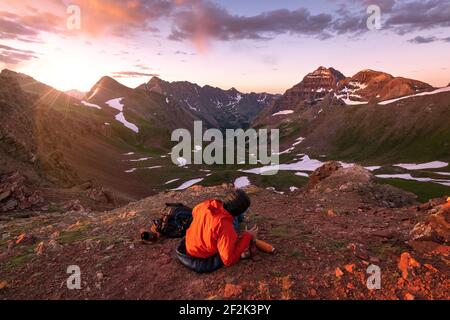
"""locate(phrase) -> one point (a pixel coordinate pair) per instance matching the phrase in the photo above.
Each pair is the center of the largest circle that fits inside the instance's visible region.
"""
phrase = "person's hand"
(253, 232)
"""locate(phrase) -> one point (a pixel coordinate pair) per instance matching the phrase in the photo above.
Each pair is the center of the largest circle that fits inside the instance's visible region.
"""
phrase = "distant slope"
(218, 108)
(314, 87)
(371, 116)
(153, 114)
(369, 85)
(60, 141)
(411, 129)
(76, 94)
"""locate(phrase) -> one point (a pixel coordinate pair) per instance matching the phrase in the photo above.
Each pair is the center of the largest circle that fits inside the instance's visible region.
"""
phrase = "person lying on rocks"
(212, 239)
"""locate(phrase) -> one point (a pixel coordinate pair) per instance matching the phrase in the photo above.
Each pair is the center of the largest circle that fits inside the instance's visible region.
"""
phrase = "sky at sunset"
(252, 45)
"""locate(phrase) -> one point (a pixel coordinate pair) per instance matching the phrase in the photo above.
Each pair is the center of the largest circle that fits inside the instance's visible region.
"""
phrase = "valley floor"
(325, 243)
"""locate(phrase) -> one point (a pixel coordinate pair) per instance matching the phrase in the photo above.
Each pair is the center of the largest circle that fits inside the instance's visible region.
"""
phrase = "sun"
(71, 68)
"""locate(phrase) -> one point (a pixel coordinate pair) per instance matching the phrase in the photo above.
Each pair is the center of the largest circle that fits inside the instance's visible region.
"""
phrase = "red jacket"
(212, 232)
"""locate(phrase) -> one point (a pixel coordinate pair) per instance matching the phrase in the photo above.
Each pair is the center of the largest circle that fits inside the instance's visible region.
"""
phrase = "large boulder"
(435, 227)
(323, 172)
(15, 194)
(358, 183)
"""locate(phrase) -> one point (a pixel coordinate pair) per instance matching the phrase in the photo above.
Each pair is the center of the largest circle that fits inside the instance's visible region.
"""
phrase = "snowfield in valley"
(117, 104)
(421, 166)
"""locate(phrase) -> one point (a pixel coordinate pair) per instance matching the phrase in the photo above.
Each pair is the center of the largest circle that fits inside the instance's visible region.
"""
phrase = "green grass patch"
(21, 258)
(383, 251)
(281, 181)
(283, 232)
(339, 244)
(424, 190)
(71, 236)
(295, 253)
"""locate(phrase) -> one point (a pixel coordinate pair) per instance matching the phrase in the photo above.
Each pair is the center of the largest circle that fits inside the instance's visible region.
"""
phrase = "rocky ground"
(19, 198)
(326, 236)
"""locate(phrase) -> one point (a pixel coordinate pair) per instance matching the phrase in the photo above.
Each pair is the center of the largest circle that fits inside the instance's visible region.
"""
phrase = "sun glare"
(66, 70)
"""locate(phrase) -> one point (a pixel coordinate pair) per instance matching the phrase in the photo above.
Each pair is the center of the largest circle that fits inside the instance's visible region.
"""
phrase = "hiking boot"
(149, 235)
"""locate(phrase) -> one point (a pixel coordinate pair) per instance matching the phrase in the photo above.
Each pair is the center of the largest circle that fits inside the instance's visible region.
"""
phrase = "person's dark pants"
(237, 220)
(197, 264)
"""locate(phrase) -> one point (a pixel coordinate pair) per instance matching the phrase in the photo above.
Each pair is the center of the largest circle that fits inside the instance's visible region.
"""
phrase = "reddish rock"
(314, 86)
(370, 84)
(323, 172)
(331, 213)
(232, 290)
(435, 227)
(3, 285)
(40, 248)
(349, 267)
(25, 239)
(409, 296)
(15, 194)
(338, 273)
(407, 264)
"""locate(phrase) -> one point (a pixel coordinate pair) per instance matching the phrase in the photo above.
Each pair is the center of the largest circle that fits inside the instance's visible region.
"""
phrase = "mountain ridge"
(219, 108)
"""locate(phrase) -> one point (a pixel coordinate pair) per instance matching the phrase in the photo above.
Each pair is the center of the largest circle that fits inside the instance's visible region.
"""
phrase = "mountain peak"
(233, 90)
(107, 80)
(323, 72)
(371, 84)
(6, 71)
(10, 73)
(156, 84)
(155, 79)
(314, 87)
(107, 88)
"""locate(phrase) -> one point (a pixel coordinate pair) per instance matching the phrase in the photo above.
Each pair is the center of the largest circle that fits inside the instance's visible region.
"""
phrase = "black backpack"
(174, 221)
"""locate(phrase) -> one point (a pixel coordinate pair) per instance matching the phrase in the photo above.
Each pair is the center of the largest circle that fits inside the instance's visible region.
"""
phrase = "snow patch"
(440, 90)
(189, 105)
(373, 168)
(117, 104)
(298, 141)
(121, 118)
(349, 102)
(407, 176)
(140, 159)
(172, 181)
(305, 164)
(90, 105)
(420, 166)
(302, 174)
(241, 182)
(274, 190)
(286, 151)
(262, 99)
(188, 184)
(93, 94)
(283, 113)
